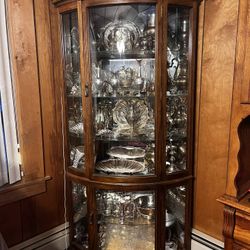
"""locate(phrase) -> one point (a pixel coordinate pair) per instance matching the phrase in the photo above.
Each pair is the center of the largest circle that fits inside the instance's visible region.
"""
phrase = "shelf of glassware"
(123, 78)
(125, 220)
(79, 221)
(175, 217)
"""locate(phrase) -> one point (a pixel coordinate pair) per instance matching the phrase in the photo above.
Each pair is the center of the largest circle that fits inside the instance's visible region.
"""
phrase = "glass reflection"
(126, 220)
(177, 88)
(80, 222)
(175, 218)
(73, 90)
(123, 77)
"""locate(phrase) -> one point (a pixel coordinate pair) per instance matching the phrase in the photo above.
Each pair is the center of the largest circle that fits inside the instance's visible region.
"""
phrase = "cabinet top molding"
(97, 2)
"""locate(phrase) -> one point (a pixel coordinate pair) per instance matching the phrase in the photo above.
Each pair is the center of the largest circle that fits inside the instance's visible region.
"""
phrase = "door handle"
(86, 90)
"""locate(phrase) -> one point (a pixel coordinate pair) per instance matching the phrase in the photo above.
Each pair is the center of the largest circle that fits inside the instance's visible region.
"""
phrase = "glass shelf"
(74, 96)
(109, 55)
(125, 139)
(141, 96)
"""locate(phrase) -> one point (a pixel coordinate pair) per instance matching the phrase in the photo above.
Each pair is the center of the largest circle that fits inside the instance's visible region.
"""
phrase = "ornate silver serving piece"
(120, 166)
(121, 36)
(131, 116)
(127, 152)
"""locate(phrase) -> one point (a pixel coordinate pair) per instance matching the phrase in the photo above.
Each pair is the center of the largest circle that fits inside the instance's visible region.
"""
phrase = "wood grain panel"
(26, 85)
(239, 111)
(48, 208)
(34, 77)
(217, 73)
(10, 223)
(245, 85)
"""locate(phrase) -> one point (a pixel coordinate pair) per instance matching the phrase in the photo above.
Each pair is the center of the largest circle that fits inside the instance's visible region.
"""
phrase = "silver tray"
(120, 166)
(125, 32)
(131, 116)
(128, 152)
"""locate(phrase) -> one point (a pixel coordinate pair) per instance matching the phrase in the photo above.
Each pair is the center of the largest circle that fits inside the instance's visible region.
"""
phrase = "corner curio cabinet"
(125, 75)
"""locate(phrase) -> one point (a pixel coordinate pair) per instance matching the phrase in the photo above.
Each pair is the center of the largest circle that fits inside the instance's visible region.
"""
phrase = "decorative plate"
(120, 36)
(77, 156)
(128, 152)
(131, 116)
(76, 128)
(120, 166)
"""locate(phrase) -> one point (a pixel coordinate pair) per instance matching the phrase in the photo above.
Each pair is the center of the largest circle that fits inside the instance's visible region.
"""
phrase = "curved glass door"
(126, 220)
(73, 91)
(175, 214)
(122, 42)
(79, 220)
(178, 88)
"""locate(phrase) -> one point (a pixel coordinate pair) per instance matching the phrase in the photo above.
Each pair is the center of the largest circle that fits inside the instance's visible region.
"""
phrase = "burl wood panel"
(26, 84)
(216, 80)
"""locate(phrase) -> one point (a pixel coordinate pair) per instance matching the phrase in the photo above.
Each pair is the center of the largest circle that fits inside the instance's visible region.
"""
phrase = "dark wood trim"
(192, 86)
(159, 90)
(164, 83)
(90, 3)
(87, 84)
(22, 190)
(128, 184)
(82, 34)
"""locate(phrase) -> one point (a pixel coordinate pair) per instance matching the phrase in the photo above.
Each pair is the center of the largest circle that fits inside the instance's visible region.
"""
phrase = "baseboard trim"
(54, 239)
(58, 239)
(204, 241)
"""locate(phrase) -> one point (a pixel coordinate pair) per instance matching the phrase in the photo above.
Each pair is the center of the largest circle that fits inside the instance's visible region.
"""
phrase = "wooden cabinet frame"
(160, 180)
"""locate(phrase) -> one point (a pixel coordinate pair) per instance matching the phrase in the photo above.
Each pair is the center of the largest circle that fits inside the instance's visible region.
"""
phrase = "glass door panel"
(175, 203)
(126, 220)
(73, 91)
(80, 222)
(178, 88)
(122, 45)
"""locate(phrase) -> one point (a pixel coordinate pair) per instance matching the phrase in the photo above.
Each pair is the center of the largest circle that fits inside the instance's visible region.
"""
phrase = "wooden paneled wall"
(241, 96)
(216, 61)
(30, 26)
(216, 58)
